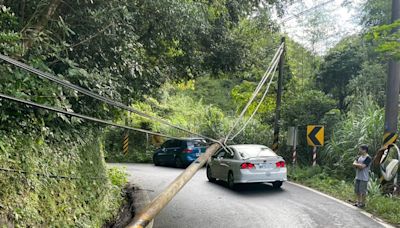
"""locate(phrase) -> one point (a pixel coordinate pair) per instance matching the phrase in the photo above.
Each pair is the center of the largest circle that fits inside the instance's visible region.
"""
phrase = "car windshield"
(250, 152)
(197, 143)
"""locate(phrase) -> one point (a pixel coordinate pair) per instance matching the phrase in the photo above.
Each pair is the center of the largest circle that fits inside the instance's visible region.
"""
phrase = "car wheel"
(155, 161)
(231, 180)
(277, 184)
(209, 177)
(178, 163)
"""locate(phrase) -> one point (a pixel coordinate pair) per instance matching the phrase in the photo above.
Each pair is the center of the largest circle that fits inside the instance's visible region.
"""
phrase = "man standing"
(362, 165)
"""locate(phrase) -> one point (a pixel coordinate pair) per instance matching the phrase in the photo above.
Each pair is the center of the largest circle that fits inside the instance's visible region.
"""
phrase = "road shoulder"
(378, 220)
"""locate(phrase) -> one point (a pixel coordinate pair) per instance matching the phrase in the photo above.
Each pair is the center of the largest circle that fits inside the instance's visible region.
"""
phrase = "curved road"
(204, 204)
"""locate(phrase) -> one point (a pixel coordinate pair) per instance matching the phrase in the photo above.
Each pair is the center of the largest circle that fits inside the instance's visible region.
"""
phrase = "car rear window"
(197, 143)
(249, 152)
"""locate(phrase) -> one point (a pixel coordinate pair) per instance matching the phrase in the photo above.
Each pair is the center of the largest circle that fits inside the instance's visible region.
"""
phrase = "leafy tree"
(375, 13)
(342, 63)
(386, 38)
(306, 107)
(371, 82)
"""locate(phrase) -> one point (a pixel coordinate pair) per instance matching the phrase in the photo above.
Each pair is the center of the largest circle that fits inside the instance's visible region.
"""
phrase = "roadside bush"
(363, 125)
(118, 177)
(140, 148)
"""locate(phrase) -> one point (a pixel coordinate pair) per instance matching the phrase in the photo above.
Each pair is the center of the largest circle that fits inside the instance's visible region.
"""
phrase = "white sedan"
(247, 164)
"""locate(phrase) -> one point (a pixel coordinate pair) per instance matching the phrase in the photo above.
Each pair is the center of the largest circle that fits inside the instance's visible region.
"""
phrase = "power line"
(259, 103)
(33, 104)
(48, 175)
(30, 103)
(306, 11)
(257, 90)
(94, 95)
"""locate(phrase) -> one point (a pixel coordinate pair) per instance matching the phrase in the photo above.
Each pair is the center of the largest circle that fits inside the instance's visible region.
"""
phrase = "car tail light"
(247, 165)
(280, 164)
(187, 150)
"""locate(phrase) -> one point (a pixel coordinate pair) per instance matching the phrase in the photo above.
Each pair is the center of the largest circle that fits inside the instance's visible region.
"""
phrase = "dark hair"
(364, 147)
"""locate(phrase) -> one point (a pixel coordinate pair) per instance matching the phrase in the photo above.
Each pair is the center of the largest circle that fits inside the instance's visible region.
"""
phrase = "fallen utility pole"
(275, 144)
(147, 214)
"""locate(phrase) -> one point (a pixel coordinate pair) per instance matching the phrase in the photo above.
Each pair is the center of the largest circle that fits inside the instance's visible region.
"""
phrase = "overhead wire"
(48, 175)
(305, 11)
(257, 90)
(33, 104)
(259, 103)
(68, 84)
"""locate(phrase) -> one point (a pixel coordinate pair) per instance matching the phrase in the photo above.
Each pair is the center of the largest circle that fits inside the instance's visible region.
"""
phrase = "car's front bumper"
(250, 176)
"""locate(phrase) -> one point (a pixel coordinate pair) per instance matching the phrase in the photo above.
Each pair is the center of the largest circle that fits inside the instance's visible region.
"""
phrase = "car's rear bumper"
(188, 158)
(247, 176)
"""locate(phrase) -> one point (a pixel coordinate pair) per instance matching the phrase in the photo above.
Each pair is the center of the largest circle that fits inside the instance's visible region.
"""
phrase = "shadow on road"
(252, 189)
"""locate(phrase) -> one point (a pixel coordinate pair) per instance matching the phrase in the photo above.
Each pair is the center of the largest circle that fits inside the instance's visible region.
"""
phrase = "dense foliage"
(124, 50)
(193, 63)
(64, 186)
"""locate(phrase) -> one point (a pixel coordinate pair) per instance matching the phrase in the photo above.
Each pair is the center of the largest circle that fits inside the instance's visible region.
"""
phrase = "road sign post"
(315, 138)
(292, 141)
(314, 158)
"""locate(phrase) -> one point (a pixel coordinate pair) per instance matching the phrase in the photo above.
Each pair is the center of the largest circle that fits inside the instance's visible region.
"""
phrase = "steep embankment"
(65, 184)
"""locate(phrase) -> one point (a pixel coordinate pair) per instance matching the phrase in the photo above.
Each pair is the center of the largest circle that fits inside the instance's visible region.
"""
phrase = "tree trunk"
(22, 11)
(41, 24)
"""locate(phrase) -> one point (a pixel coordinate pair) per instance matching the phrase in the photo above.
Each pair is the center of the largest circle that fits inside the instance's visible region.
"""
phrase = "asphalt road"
(204, 204)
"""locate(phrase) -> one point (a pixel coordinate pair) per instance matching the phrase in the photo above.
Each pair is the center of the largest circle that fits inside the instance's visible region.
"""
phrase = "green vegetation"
(129, 51)
(385, 207)
(63, 185)
(193, 63)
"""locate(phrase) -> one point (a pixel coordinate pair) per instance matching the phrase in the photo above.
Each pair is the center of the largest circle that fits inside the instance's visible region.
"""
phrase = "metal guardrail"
(149, 212)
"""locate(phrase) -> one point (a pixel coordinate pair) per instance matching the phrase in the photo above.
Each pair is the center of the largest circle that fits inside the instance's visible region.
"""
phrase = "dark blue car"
(179, 153)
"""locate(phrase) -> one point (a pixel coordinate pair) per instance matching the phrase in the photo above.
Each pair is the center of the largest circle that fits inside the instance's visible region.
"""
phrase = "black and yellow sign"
(125, 143)
(157, 140)
(315, 135)
(389, 138)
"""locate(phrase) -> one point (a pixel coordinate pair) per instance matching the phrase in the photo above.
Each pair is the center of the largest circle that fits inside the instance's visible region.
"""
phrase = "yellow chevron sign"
(389, 138)
(315, 135)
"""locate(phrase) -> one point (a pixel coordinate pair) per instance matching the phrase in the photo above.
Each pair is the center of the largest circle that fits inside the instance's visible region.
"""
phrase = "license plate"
(262, 166)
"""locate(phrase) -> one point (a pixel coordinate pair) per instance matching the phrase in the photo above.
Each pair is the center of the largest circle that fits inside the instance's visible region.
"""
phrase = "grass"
(382, 206)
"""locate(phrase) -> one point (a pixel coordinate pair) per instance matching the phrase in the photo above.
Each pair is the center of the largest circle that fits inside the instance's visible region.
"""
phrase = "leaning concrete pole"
(392, 90)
